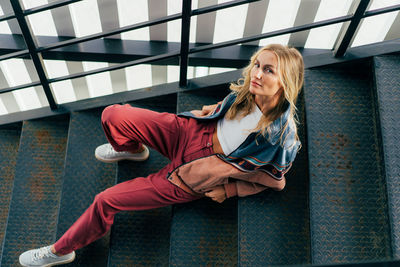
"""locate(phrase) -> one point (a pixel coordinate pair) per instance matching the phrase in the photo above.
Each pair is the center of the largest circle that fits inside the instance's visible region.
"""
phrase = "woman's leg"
(127, 127)
(142, 193)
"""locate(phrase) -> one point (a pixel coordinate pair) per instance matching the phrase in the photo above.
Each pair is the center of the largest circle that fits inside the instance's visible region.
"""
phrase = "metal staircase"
(340, 204)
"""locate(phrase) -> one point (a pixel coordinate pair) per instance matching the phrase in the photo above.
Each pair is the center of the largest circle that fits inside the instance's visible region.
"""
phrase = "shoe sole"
(119, 159)
(54, 263)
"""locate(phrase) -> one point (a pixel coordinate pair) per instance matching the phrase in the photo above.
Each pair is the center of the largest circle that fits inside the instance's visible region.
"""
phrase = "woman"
(238, 147)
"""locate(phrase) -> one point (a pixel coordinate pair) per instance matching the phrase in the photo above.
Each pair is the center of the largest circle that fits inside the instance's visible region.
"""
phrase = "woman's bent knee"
(111, 113)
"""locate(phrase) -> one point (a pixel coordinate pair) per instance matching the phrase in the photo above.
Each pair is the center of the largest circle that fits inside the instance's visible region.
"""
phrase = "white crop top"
(232, 133)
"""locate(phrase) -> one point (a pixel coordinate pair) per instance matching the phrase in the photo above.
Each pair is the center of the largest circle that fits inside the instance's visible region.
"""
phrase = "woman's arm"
(243, 188)
(206, 110)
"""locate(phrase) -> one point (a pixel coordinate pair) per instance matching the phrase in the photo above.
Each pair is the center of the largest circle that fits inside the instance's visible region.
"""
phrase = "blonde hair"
(290, 71)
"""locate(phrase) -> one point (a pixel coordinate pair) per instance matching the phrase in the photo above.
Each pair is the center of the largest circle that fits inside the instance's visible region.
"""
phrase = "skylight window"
(374, 29)
(3, 109)
(129, 14)
(41, 23)
(16, 74)
(139, 76)
(230, 23)
(63, 91)
(4, 28)
(174, 27)
(99, 84)
(86, 21)
(280, 15)
(325, 37)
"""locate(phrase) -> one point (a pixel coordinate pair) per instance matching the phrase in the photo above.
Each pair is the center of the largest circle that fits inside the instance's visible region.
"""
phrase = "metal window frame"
(35, 51)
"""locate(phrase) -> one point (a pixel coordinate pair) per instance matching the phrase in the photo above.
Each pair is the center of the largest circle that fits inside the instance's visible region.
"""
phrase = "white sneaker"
(107, 154)
(43, 257)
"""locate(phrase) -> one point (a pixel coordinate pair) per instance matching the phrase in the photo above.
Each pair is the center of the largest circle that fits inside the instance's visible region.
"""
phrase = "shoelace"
(41, 253)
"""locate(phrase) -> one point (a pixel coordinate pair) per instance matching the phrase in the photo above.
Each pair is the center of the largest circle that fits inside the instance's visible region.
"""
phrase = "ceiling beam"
(120, 51)
(350, 29)
(185, 34)
(36, 57)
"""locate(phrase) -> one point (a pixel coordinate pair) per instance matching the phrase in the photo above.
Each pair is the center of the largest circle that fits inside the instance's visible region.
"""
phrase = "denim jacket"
(267, 154)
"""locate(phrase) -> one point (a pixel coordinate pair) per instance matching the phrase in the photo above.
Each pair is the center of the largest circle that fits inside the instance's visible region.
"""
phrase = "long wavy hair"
(291, 75)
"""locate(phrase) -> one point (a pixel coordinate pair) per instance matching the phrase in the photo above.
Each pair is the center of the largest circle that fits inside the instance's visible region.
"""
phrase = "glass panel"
(4, 28)
(174, 27)
(325, 37)
(274, 19)
(374, 29)
(41, 23)
(63, 91)
(3, 109)
(139, 76)
(85, 17)
(98, 84)
(129, 14)
(230, 23)
(376, 4)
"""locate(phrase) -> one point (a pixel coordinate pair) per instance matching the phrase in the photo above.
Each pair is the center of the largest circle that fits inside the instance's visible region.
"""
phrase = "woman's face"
(264, 79)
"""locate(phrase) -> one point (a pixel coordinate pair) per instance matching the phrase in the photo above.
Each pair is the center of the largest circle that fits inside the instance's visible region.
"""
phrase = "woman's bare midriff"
(216, 145)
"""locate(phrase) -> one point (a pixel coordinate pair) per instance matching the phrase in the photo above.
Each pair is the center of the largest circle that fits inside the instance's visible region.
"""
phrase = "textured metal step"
(36, 191)
(84, 178)
(203, 233)
(387, 79)
(141, 238)
(9, 142)
(274, 226)
(349, 220)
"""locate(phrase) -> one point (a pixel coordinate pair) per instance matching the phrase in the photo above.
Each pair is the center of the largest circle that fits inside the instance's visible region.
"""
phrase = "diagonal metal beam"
(185, 32)
(345, 40)
(53, 5)
(36, 58)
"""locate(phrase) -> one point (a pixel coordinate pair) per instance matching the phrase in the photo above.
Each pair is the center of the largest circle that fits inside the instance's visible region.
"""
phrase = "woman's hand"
(217, 193)
(206, 110)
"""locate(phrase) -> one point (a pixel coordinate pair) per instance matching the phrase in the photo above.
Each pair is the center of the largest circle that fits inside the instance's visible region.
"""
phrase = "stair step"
(203, 232)
(274, 226)
(9, 142)
(387, 78)
(141, 238)
(349, 220)
(36, 191)
(84, 177)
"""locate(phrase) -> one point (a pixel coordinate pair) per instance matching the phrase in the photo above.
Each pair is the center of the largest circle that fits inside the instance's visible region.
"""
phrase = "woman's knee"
(103, 203)
(112, 114)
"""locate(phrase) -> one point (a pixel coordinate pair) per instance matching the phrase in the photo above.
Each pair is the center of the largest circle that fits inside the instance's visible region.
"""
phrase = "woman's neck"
(265, 103)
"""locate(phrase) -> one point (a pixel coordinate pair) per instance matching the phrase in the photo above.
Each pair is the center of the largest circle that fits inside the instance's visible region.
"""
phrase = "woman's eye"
(268, 70)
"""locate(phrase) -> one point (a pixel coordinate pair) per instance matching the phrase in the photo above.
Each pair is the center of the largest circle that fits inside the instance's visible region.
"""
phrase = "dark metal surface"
(387, 80)
(36, 58)
(185, 33)
(203, 232)
(141, 238)
(348, 203)
(274, 226)
(9, 142)
(84, 177)
(344, 41)
(36, 191)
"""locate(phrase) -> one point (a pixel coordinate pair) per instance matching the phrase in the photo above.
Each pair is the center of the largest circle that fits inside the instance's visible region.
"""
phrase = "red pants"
(179, 139)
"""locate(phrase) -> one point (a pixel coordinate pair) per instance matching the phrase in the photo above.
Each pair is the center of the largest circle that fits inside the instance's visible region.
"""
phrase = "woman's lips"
(255, 83)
